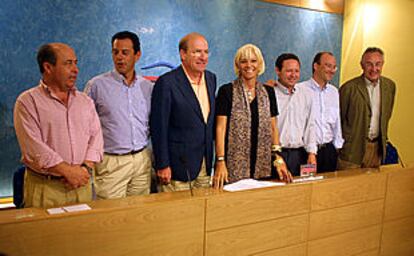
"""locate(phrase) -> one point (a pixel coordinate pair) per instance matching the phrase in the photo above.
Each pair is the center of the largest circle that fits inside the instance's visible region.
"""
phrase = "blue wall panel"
(88, 26)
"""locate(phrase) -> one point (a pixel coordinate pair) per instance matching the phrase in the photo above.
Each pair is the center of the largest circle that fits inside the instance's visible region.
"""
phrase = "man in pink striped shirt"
(58, 131)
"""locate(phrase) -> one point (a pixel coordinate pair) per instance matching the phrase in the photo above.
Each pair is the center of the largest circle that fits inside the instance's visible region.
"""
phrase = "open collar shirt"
(49, 132)
(374, 93)
(327, 114)
(296, 118)
(200, 91)
(123, 110)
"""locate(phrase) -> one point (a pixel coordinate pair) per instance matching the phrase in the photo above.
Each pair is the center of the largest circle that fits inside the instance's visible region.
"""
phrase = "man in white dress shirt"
(327, 117)
(295, 121)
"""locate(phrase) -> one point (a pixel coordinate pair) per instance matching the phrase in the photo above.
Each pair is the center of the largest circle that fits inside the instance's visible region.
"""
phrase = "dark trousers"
(294, 158)
(327, 158)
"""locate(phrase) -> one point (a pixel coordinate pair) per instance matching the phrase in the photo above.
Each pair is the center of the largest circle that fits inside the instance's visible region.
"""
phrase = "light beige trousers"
(122, 176)
(202, 181)
(41, 192)
(371, 159)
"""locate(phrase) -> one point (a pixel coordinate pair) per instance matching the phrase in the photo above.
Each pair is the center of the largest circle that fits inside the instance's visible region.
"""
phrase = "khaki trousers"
(202, 181)
(371, 159)
(41, 192)
(122, 176)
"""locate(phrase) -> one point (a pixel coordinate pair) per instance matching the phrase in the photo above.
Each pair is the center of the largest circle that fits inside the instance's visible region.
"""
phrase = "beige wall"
(388, 24)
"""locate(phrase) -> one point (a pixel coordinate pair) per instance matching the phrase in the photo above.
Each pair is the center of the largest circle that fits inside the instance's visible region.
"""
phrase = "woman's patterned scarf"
(239, 141)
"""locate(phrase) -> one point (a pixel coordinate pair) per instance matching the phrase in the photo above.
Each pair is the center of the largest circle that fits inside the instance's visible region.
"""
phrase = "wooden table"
(358, 212)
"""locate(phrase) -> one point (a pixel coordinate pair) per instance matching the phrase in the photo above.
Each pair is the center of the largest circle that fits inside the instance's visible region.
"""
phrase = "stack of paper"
(70, 208)
(250, 184)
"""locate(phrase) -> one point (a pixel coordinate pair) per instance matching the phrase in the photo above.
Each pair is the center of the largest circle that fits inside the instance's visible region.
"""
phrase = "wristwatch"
(89, 169)
(220, 158)
(276, 148)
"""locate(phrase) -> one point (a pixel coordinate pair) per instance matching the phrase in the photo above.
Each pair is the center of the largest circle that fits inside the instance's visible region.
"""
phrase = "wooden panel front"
(258, 237)
(349, 243)
(369, 253)
(399, 201)
(175, 227)
(338, 220)
(238, 208)
(348, 190)
(398, 237)
(296, 250)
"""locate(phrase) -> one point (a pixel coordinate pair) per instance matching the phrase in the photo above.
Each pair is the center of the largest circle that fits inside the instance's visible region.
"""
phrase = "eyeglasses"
(330, 66)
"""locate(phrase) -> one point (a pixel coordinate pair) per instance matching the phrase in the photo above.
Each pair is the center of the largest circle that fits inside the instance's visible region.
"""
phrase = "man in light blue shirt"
(327, 116)
(295, 121)
(123, 100)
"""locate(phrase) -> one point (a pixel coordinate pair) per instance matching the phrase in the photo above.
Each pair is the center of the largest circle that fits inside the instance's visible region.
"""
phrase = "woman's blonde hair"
(246, 52)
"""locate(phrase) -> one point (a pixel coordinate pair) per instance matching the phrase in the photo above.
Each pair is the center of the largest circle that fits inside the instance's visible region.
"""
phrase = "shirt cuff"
(338, 143)
(312, 149)
(41, 163)
(94, 156)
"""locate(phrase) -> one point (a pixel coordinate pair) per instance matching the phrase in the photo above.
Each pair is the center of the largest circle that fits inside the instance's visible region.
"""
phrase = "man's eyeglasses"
(330, 66)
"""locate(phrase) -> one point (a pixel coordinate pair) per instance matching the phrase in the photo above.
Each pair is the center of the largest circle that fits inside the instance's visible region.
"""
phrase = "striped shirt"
(50, 132)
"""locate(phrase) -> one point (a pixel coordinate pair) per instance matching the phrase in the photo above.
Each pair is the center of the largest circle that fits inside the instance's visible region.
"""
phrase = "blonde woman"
(247, 136)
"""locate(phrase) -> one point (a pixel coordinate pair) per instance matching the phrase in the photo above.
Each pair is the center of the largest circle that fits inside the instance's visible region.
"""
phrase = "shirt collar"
(284, 89)
(189, 78)
(315, 85)
(120, 78)
(72, 91)
(369, 83)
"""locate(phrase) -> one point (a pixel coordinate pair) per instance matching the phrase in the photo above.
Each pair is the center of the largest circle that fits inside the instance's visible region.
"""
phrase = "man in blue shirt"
(123, 100)
(327, 118)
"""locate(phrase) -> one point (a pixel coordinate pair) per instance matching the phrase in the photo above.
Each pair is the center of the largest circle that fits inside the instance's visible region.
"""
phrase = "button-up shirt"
(327, 115)
(49, 132)
(123, 110)
(200, 90)
(296, 118)
(375, 100)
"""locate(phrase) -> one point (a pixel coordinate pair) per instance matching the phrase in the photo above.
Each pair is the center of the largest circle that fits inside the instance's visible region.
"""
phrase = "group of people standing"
(260, 130)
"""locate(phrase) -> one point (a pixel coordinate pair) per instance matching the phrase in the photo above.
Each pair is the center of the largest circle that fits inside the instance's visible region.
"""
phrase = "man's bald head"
(48, 53)
(183, 45)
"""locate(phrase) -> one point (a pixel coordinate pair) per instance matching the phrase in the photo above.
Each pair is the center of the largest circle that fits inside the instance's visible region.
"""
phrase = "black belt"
(133, 152)
(324, 145)
(292, 149)
(44, 176)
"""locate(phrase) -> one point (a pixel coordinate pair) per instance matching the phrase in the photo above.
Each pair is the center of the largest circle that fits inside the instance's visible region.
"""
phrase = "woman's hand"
(282, 170)
(220, 175)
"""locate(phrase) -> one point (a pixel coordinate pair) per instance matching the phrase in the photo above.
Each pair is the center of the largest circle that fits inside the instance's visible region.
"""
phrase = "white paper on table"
(250, 184)
(76, 208)
(55, 210)
(310, 178)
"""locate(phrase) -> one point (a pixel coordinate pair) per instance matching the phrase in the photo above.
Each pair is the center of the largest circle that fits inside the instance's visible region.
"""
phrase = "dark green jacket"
(356, 115)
